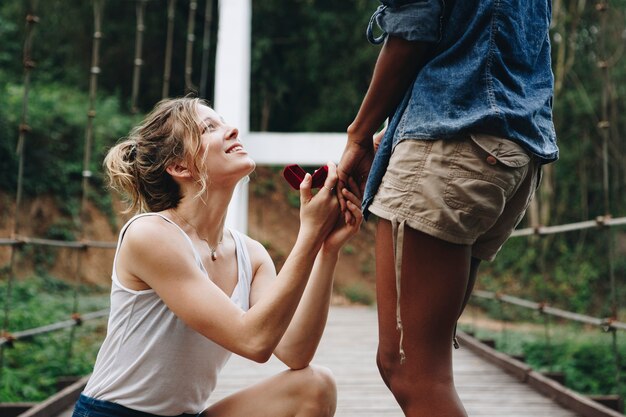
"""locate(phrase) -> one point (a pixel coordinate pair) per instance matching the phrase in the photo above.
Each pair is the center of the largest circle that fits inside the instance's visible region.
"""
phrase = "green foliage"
(32, 367)
(311, 63)
(586, 357)
(589, 366)
(54, 147)
(569, 271)
(358, 293)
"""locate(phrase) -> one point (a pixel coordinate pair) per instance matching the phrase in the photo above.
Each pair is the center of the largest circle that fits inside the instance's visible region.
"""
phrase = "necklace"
(211, 248)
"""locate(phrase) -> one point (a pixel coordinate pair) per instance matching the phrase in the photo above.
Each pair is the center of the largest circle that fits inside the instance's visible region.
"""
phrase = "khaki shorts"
(471, 190)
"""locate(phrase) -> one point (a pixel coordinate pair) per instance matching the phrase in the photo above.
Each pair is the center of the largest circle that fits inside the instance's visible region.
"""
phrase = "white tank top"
(150, 360)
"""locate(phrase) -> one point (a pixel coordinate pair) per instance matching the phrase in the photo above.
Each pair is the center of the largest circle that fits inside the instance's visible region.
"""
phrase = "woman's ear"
(176, 170)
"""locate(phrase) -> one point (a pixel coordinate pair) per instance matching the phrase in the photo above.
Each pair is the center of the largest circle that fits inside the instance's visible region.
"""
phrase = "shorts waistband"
(101, 408)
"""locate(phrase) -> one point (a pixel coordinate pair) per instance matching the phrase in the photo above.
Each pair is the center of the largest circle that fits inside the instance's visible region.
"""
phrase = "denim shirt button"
(491, 160)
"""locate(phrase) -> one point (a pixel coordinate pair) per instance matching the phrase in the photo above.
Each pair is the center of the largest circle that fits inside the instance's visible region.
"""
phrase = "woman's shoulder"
(251, 244)
(257, 251)
(151, 230)
(148, 223)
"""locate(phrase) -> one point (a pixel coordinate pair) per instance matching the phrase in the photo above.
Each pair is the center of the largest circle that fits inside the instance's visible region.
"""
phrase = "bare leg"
(434, 284)
(475, 263)
(308, 392)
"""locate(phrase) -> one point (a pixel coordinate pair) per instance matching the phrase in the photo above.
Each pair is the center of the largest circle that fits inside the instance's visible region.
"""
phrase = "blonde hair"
(136, 166)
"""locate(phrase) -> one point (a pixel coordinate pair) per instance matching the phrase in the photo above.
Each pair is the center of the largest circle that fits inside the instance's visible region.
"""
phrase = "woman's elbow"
(296, 361)
(258, 352)
(297, 365)
(260, 356)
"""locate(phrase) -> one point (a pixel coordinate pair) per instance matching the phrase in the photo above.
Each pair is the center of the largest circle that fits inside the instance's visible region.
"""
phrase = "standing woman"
(468, 87)
(187, 291)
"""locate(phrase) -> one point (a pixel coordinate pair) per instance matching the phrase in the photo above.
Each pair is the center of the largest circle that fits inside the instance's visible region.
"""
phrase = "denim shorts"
(91, 407)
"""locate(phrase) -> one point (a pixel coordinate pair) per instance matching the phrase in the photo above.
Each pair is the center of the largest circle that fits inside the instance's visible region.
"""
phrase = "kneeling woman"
(187, 292)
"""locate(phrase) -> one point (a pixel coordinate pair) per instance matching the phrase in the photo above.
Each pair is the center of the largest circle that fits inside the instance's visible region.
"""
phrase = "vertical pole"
(98, 6)
(604, 125)
(167, 70)
(138, 62)
(191, 37)
(206, 46)
(232, 87)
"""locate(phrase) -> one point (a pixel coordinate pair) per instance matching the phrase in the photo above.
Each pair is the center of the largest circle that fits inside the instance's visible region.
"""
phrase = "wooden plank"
(59, 402)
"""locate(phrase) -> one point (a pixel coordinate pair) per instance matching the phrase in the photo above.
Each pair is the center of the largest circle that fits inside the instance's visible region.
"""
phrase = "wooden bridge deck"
(348, 349)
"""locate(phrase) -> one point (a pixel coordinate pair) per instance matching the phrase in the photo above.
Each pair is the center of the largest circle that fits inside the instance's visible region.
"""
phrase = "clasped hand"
(320, 212)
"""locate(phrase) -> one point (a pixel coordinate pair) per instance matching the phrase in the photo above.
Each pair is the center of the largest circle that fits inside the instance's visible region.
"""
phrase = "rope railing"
(606, 323)
(599, 222)
(83, 244)
(77, 319)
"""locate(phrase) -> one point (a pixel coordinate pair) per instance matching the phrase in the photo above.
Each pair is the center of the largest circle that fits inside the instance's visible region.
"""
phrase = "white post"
(232, 87)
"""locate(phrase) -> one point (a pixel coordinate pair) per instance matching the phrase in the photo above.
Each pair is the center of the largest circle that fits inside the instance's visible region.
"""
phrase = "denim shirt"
(488, 71)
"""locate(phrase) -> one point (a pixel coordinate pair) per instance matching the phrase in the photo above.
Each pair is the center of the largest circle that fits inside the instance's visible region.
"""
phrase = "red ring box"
(294, 174)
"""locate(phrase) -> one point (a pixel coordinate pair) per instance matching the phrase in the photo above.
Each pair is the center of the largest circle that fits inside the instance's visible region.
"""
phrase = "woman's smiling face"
(224, 157)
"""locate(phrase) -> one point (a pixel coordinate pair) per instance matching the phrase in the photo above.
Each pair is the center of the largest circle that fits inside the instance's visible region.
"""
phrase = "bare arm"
(169, 268)
(299, 344)
(397, 65)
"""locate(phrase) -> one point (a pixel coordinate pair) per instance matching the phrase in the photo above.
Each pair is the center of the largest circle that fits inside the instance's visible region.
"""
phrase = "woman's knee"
(318, 390)
(388, 361)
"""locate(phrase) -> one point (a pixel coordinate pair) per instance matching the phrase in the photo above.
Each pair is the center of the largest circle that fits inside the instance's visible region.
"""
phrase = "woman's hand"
(342, 232)
(355, 164)
(319, 212)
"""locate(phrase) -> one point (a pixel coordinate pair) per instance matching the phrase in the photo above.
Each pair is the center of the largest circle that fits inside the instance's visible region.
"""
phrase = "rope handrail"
(599, 222)
(76, 320)
(607, 323)
(84, 244)
(602, 221)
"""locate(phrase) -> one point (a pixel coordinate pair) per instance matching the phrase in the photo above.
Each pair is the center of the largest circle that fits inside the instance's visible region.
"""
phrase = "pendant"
(213, 257)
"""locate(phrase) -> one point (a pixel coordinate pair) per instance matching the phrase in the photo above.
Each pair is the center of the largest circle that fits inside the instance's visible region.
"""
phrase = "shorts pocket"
(406, 165)
(484, 173)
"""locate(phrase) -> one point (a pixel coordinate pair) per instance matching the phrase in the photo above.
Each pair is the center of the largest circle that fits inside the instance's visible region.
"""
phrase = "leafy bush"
(31, 367)
(54, 147)
(585, 356)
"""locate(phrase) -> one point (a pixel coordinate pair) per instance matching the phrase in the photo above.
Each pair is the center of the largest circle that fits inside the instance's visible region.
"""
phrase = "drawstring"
(397, 231)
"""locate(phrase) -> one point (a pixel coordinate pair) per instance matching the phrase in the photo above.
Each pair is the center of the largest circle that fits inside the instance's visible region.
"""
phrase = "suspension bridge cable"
(98, 7)
(606, 323)
(604, 125)
(8, 339)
